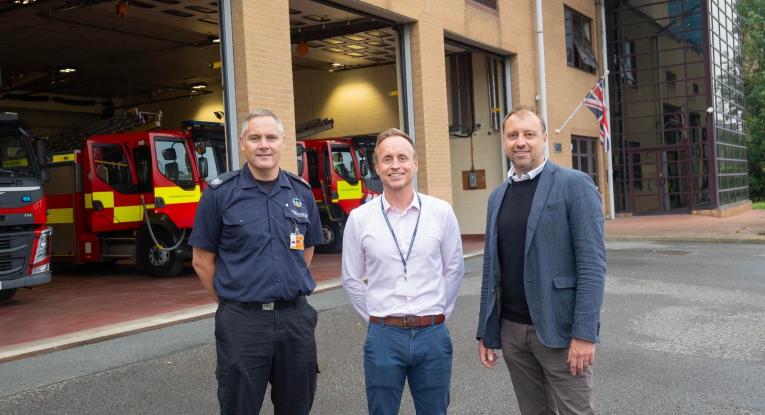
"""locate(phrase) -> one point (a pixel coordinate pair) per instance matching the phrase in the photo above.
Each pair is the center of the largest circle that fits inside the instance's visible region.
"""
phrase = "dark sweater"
(511, 240)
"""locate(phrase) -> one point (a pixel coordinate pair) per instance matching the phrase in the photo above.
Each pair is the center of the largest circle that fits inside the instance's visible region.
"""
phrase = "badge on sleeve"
(297, 202)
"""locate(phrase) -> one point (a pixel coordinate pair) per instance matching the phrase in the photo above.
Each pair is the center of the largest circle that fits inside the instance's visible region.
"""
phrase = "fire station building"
(446, 71)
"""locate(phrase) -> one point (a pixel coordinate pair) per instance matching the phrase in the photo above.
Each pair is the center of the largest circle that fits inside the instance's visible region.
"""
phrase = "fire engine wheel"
(7, 294)
(333, 238)
(158, 262)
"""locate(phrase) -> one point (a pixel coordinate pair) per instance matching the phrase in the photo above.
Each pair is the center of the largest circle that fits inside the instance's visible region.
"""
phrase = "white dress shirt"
(525, 176)
(435, 266)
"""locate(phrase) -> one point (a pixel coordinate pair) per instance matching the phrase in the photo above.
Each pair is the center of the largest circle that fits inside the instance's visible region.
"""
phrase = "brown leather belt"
(408, 321)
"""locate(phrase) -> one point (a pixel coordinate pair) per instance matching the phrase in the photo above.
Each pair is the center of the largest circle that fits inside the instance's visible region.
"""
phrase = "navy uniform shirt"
(249, 231)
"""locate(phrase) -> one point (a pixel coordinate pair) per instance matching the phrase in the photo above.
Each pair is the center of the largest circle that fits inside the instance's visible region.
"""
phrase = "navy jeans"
(421, 356)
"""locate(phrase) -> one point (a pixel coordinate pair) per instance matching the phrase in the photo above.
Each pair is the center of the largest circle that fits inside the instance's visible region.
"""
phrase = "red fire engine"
(341, 176)
(24, 235)
(130, 195)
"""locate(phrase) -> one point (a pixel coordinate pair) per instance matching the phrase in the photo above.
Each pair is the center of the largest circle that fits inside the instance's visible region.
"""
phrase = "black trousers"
(257, 347)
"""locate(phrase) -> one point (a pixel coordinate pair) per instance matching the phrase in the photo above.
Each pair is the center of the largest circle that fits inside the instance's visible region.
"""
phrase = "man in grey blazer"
(544, 272)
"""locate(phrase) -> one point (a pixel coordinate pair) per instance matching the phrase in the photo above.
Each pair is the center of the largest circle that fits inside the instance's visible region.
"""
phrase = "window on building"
(492, 4)
(584, 156)
(628, 62)
(579, 53)
(460, 84)
(671, 79)
(637, 167)
(673, 120)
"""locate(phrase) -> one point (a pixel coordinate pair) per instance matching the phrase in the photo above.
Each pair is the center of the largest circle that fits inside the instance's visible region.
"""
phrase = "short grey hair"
(262, 112)
(529, 109)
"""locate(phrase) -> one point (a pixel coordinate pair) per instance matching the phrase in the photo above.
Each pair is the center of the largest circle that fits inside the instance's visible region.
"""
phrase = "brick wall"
(263, 64)
(262, 59)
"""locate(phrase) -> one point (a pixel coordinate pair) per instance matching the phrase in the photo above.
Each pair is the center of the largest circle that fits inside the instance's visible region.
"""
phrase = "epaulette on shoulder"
(297, 178)
(223, 178)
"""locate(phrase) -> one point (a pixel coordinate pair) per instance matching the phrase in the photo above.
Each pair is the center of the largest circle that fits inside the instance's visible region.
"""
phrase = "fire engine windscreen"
(173, 161)
(342, 162)
(14, 158)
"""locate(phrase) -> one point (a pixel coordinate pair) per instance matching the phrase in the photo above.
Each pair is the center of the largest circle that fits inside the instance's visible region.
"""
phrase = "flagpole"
(609, 159)
(565, 123)
(558, 130)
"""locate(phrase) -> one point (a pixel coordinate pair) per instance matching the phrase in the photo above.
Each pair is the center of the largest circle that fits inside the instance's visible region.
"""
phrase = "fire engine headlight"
(42, 268)
(41, 253)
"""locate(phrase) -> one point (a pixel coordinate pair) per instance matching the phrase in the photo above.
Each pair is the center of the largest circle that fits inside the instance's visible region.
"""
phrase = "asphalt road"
(683, 333)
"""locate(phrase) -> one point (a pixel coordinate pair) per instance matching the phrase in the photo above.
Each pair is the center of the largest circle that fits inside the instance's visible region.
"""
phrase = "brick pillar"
(263, 65)
(431, 117)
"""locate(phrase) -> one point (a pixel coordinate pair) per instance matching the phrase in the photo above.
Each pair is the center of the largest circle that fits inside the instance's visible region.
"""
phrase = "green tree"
(752, 14)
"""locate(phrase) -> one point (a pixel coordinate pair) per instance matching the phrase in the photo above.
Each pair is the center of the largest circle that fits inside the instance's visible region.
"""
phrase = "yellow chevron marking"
(60, 158)
(124, 214)
(15, 163)
(106, 199)
(62, 215)
(347, 191)
(174, 194)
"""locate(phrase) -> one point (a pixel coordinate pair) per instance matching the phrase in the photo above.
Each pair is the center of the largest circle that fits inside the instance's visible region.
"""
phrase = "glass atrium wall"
(727, 78)
(667, 90)
(658, 102)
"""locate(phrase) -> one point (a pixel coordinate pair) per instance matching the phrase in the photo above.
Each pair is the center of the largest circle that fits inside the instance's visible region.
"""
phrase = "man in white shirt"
(408, 247)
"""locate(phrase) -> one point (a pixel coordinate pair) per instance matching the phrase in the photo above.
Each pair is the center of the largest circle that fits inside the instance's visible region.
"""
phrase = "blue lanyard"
(414, 234)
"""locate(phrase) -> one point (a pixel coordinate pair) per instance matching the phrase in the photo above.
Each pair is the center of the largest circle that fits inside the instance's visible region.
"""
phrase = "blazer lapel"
(546, 179)
(494, 215)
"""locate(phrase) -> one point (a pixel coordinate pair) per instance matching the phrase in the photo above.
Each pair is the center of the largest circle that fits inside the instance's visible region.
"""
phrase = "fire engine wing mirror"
(364, 169)
(202, 167)
(42, 160)
(169, 154)
(300, 150)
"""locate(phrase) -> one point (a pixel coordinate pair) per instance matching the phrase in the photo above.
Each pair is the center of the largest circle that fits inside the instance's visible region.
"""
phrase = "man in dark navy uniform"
(253, 240)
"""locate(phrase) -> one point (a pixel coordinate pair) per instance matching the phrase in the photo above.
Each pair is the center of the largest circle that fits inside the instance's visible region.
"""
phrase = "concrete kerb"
(688, 238)
(99, 334)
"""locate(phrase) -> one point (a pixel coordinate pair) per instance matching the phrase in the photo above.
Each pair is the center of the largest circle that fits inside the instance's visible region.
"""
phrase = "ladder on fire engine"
(128, 121)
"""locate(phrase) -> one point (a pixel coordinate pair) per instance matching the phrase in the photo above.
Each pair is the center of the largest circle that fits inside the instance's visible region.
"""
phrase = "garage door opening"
(347, 81)
(74, 70)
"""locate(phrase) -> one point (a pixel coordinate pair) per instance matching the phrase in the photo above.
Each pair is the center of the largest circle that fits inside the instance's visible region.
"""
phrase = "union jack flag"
(595, 102)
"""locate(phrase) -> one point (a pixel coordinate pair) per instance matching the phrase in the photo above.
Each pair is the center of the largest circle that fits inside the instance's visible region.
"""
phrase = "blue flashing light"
(26, 199)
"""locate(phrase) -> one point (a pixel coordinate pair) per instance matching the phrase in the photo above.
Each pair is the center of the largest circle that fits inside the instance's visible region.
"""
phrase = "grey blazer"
(565, 263)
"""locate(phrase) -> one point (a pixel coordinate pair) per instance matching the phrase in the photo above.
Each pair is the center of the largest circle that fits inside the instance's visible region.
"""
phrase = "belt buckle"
(268, 306)
(405, 324)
